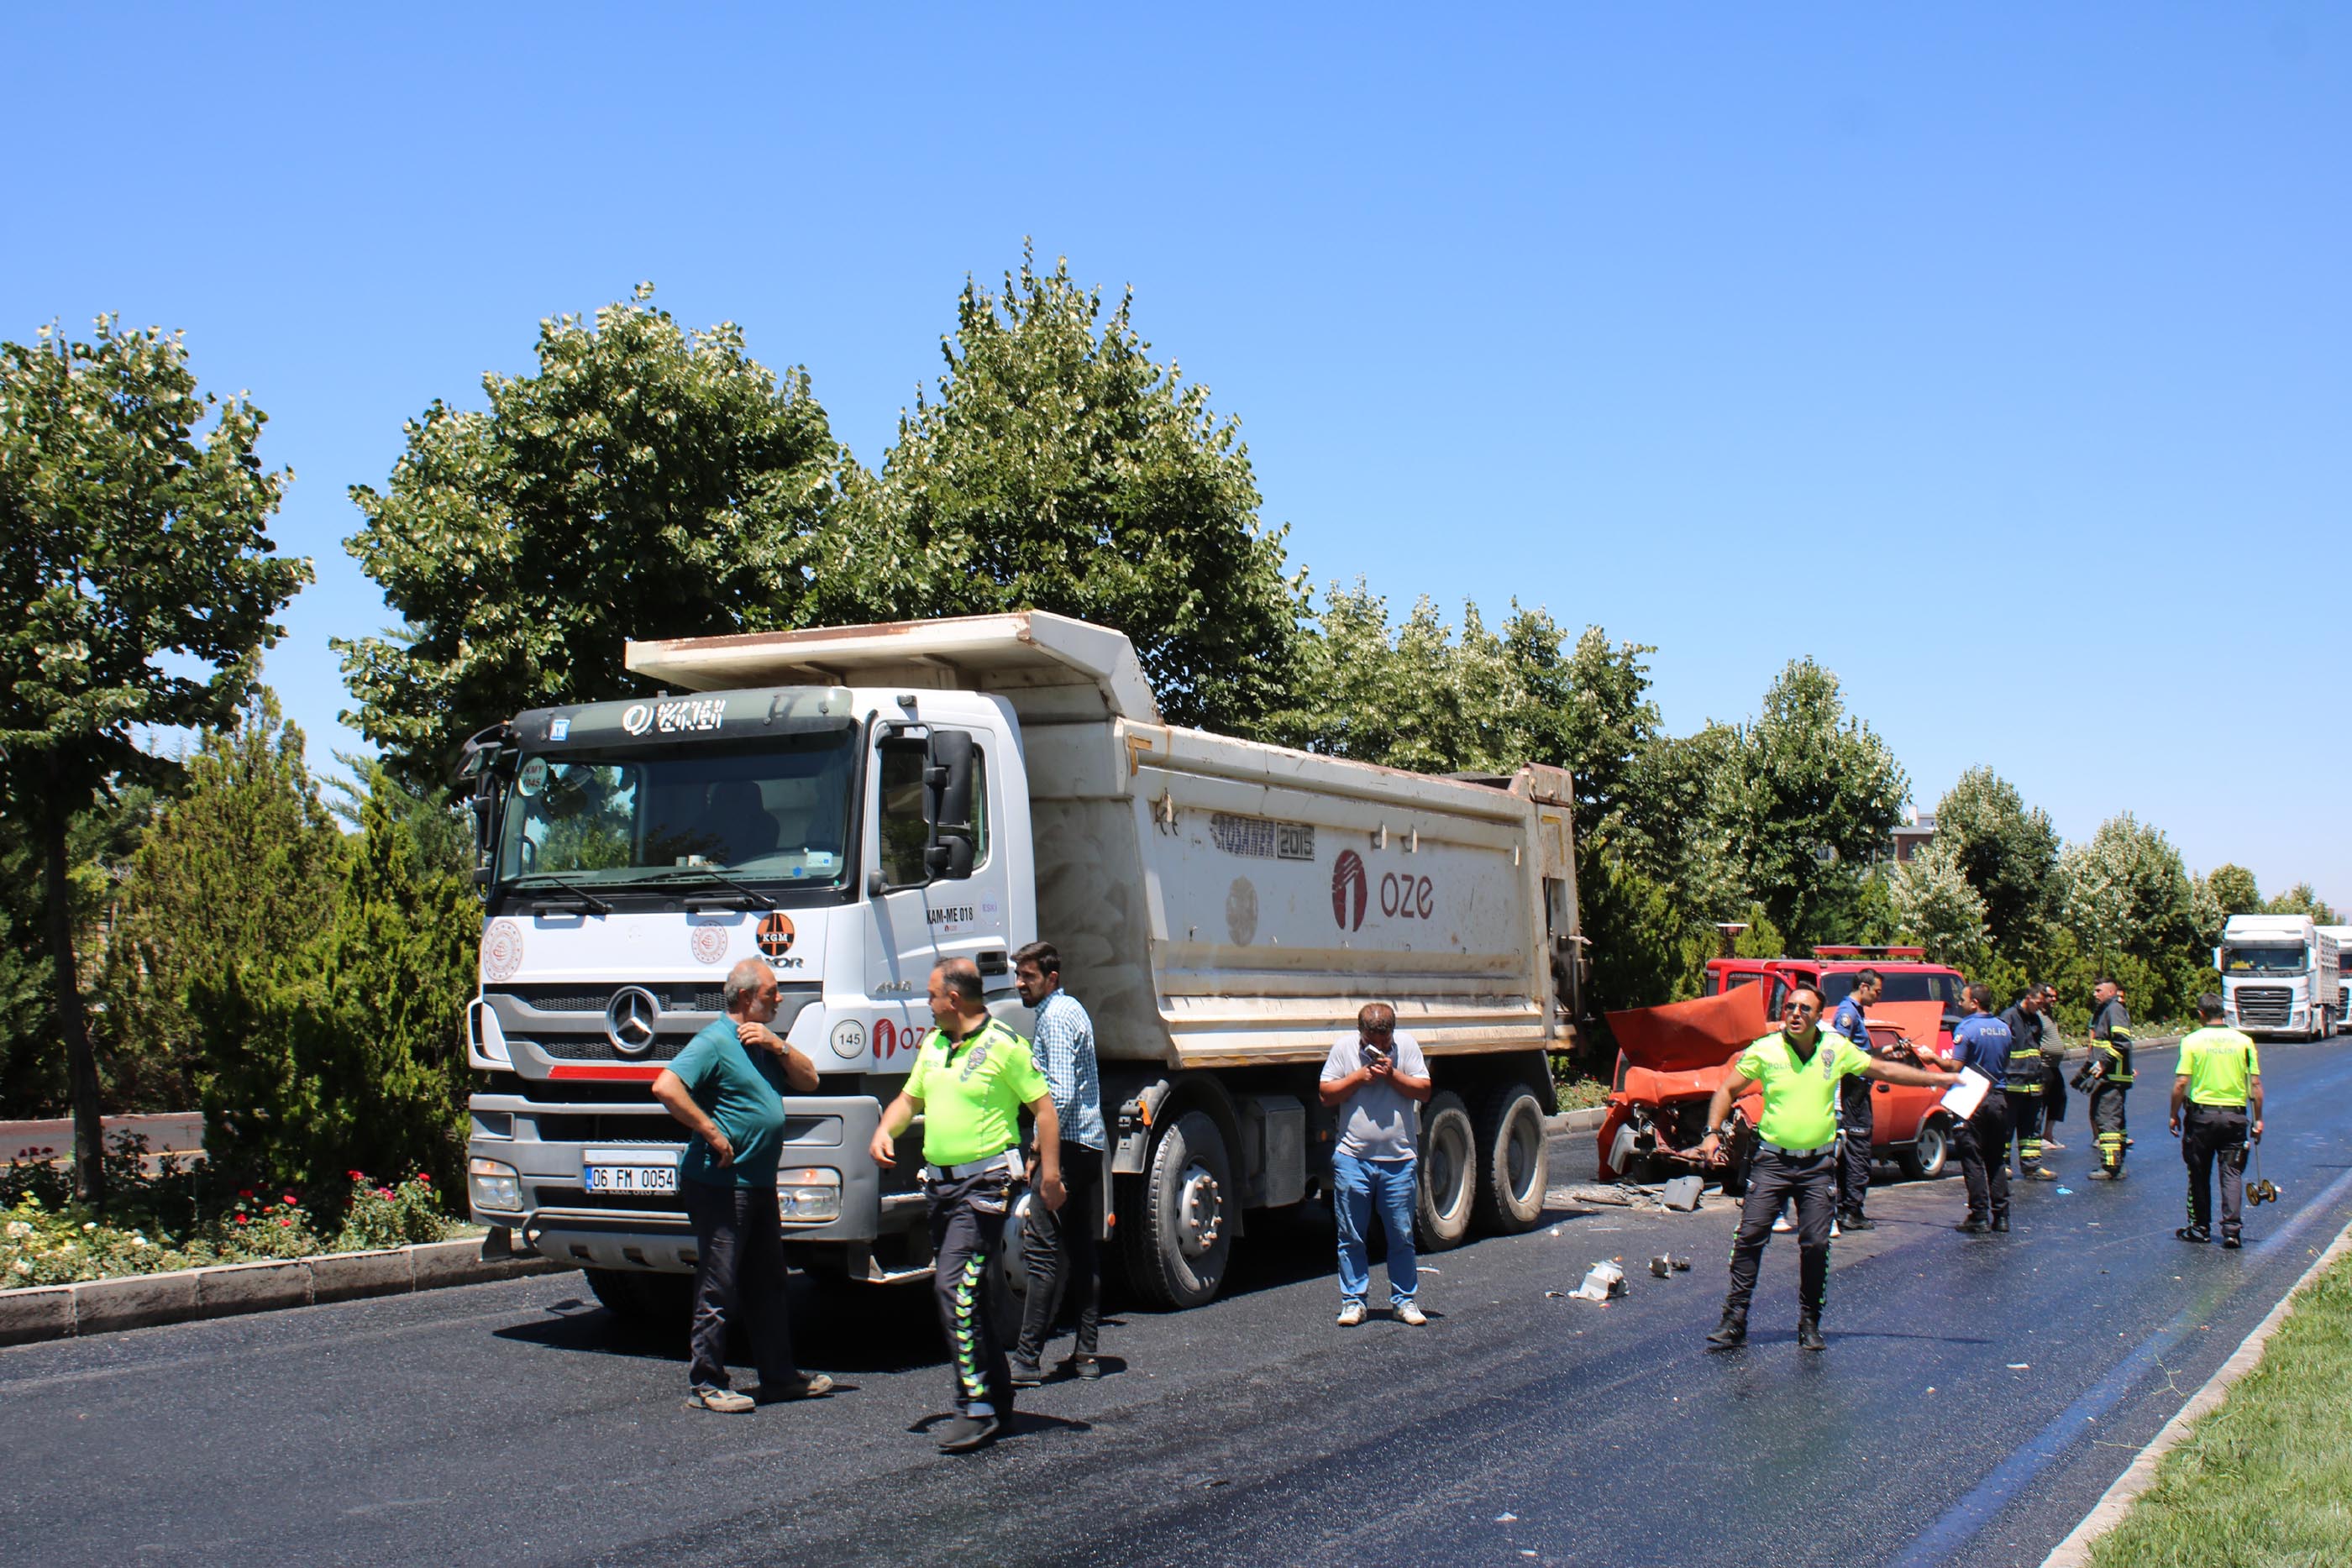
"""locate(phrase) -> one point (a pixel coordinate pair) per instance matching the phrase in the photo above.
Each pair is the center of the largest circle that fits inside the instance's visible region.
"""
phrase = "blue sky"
(1999, 358)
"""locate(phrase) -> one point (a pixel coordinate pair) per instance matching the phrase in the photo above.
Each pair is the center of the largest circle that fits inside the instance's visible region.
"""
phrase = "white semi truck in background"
(856, 804)
(2342, 936)
(2280, 975)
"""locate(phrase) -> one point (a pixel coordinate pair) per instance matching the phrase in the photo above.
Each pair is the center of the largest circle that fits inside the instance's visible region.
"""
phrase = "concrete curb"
(2075, 1551)
(229, 1289)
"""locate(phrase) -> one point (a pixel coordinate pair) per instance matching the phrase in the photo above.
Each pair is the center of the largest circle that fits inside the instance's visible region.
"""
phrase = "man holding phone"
(1376, 1080)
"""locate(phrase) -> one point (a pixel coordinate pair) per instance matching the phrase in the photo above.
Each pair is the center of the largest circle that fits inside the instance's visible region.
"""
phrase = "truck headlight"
(494, 1186)
(811, 1194)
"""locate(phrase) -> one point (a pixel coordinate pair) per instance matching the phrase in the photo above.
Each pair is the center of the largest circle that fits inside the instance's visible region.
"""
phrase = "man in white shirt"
(1377, 1080)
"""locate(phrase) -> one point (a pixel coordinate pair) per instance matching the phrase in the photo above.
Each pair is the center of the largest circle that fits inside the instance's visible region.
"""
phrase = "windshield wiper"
(595, 905)
(759, 900)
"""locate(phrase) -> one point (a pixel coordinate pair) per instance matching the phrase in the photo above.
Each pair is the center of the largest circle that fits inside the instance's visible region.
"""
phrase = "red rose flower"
(240, 1219)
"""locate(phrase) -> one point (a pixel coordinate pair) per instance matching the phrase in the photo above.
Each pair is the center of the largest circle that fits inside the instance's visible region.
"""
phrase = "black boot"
(1973, 1226)
(2000, 1225)
(1854, 1219)
(1808, 1331)
(1731, 1333)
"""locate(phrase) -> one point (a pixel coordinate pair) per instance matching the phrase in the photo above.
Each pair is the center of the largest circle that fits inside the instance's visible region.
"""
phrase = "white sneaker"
(1781, 1226)
(1835, 1232)
(1351, 1315)
(1411, 1315)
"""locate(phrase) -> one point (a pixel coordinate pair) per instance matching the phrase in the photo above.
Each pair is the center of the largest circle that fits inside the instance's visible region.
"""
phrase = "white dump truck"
(2281, 974)
(856, 804)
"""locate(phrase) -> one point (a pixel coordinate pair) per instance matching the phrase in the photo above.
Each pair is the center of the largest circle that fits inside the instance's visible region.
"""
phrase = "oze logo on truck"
(1348, 888)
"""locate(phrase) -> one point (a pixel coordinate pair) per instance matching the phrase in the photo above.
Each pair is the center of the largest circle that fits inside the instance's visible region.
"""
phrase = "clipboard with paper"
(1963, 1098)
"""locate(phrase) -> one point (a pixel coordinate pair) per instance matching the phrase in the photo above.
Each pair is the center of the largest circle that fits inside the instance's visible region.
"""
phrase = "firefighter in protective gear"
(2109, 1072)
(2023, 1082)
(970, 1079)
(1856, 1122)
(2217, 1100)
(1801, 1068)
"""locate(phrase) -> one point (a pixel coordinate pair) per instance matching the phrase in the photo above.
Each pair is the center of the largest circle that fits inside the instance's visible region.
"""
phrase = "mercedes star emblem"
(629, 1020)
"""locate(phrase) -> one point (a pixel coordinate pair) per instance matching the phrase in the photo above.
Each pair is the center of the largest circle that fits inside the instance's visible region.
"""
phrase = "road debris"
(1662, 1265)
(2021, 1366)
(1683, 1193)
(1605, 1282)
(1507, 1518)
(2068, 1192)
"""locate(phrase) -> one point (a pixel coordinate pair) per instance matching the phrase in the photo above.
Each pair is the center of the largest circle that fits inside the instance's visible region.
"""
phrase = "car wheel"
(1924, 1160)
(1448, 1187)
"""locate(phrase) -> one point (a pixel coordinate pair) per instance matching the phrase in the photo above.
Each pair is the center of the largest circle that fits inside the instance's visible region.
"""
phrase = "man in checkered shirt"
(1063, 1247)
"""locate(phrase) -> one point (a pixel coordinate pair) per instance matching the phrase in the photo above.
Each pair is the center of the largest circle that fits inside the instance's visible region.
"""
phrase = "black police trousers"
(2211, 1135)
(967, 1238)
(1773, 1178)
(1982, 1144)
(739, 1278)
(1856, 1118)
(1063, 1254)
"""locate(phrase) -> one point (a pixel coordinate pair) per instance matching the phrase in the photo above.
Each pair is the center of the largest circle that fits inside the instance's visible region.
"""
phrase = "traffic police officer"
(972, 1076)
(2219, 1085)
(1981, 1040)
(2026, 1072)
(2109, 1073)
(1855, 1121)
(1800, 1068)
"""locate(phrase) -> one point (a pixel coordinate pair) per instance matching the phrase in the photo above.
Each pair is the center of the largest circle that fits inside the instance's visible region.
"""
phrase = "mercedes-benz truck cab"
(2280, 975)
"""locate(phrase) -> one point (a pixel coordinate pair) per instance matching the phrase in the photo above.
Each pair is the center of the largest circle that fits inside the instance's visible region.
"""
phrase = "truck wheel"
(664, 1301)
(1448, 1187)
(1511, 1163)
(1176, 1251)
(1924, 1160)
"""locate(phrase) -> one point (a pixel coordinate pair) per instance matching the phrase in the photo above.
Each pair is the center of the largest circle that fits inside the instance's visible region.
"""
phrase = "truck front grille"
(2265, 1006)
(593, 1048)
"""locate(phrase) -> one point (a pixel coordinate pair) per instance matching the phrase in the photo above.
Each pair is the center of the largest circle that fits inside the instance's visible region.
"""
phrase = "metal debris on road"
(1664, 1264)
(1605, 1282)
(2021, 1366)
(1507, 1518)
(1683, 1193)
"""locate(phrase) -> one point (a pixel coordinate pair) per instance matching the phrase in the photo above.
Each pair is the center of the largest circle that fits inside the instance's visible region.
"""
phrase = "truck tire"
(646, 1300)
(1448, 1188)
(1511, 1160)
(1924, 1160)
(1177, 1249)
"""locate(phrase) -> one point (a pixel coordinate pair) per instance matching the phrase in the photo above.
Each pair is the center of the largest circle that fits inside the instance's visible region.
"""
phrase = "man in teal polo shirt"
(970, 1079)
(728, 1087)
(1801, 1068)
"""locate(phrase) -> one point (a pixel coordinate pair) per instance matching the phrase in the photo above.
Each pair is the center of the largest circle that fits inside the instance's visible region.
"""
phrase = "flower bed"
(171, 1219)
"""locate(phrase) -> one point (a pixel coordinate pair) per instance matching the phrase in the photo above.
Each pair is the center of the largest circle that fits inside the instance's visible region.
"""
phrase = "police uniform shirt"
(1800, 1095)
(2220, 1064)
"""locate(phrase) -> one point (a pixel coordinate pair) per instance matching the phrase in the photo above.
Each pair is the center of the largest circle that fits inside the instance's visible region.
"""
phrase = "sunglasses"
(1802, 1008)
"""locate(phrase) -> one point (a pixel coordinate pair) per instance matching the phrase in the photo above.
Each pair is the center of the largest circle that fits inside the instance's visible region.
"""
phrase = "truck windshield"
(774, 809)
(2264, 960)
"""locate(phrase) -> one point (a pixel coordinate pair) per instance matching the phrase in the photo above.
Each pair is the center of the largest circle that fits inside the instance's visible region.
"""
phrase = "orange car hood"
(1683, 1036)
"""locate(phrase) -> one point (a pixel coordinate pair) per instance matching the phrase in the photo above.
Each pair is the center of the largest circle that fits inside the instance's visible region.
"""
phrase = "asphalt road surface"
(1977, 1396)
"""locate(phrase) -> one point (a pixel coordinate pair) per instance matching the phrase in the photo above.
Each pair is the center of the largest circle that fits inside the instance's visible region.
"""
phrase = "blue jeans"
(1357, 1188)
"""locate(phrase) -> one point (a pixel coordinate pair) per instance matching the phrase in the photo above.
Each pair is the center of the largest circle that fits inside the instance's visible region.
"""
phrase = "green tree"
(2007, 851)
(2128, 901)
(1938, 906)
(2301, 900)
(350, 1051)
(134, 547)
(2234, 890)
(1061, 468)
(645, 482)
(1810, 798)
(248, 863)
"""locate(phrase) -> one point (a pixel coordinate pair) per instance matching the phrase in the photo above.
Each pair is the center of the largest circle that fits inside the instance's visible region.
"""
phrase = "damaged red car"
(1671, 1060)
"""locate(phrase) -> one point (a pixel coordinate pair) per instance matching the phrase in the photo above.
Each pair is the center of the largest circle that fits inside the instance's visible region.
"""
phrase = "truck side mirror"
(948, 781)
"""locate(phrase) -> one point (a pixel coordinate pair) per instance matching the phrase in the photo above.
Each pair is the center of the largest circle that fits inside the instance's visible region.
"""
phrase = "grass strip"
(2265, 1480)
